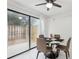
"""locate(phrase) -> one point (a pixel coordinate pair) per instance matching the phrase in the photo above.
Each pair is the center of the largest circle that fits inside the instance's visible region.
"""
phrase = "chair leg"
(37, 54)
(45, 55)
(66, 55)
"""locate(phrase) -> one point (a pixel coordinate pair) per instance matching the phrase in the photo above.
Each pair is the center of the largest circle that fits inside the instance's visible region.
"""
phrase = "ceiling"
(66, 6)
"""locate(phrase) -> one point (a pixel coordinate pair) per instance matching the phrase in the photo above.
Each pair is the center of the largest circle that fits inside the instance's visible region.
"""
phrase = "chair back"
(68, 43)
(57, 36)
(41, 36)
(41, 45)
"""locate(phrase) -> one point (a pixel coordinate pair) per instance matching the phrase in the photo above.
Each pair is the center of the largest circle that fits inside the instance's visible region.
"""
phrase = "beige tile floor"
(32, 55)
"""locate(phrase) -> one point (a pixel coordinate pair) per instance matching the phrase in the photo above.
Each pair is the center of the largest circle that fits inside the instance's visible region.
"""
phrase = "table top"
(53, 39)
(54, 42)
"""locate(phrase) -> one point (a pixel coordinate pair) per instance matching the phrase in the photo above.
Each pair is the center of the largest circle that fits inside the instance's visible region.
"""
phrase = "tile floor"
(32, 55)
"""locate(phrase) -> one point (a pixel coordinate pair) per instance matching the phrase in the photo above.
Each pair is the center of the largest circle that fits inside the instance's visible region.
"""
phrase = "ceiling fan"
(49, 4)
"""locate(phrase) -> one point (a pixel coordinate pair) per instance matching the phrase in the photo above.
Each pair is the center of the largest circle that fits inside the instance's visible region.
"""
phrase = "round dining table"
(53, 43)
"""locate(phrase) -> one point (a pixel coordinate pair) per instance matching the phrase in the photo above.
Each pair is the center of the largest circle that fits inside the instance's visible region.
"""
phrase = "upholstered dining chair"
(57, 36)
(41, 36)
(65, 48)
(41, 47)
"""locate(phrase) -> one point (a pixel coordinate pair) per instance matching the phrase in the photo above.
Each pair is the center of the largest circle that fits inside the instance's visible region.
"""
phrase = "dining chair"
(41, 36)
(41, 47)
(57, 36)
(65, 48)
(51, 36)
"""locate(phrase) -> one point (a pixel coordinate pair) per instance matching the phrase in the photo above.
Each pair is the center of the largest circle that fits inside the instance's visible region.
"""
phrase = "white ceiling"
(66, 6)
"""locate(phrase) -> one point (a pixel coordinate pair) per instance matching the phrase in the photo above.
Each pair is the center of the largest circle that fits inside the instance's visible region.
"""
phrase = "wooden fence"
(17, 33)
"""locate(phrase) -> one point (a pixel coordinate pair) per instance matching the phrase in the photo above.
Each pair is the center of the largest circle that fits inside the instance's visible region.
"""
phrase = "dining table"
(52, 42)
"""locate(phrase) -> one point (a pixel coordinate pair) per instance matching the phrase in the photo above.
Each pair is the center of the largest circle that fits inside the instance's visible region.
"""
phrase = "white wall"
(59, 25)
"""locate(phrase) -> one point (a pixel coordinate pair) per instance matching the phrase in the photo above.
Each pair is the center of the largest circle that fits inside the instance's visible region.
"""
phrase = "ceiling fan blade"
(57, 5)
(50, 1)
(53, 0)
(47, 0)
(41, 4)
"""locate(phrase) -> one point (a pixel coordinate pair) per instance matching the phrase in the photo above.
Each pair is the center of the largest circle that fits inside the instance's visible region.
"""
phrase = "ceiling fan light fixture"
(49, 5)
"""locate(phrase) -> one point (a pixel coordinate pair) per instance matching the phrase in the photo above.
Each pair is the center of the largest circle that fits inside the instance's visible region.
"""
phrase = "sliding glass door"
(35, 30)
(18, 29)
(23, 31)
